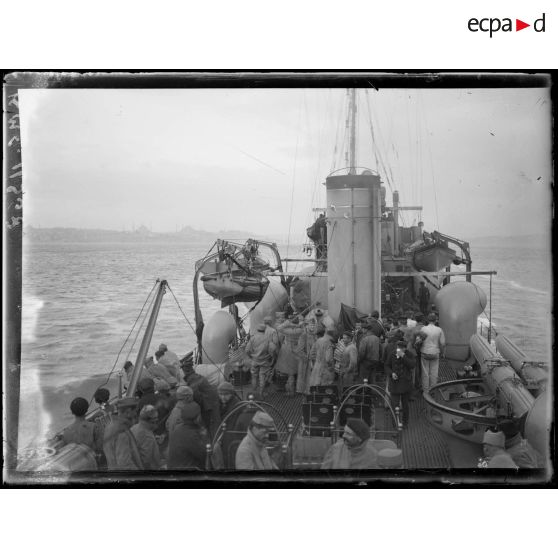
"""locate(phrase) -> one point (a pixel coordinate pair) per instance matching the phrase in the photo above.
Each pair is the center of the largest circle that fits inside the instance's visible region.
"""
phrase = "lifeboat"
(236, 275)
(235, 286)
(430, 254)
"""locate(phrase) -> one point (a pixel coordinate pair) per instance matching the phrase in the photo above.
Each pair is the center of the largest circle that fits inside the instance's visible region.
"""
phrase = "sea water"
(80, 301)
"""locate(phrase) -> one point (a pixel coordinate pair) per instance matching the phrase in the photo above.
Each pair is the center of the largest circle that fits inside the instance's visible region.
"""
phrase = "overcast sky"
(478, 160)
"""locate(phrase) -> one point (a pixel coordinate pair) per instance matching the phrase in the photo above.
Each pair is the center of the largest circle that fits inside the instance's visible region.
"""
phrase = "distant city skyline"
(478, 161)
(187, 227)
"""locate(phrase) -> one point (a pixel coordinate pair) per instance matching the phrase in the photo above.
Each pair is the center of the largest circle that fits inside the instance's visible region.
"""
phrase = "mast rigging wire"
(128, 337)
(294, 177)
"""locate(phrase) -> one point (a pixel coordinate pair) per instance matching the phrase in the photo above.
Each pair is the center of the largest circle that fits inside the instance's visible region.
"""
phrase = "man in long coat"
(399, 370)
(304, 347)
(323, 372)
(119, 444)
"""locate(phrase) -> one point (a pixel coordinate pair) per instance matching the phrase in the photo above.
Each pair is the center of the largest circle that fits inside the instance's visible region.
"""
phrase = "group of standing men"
(405, 354)
(164, 424)
(303, 350)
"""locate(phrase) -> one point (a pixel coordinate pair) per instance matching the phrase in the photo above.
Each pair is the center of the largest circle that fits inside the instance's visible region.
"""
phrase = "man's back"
(349, 358)
(81, 432)
(376, 327)
(259, 348)
(120, 447)
(158, 370)
(434, 339)
(205, 394)
(186, 448)
(148, 447)
(170, 361)
(369, 349)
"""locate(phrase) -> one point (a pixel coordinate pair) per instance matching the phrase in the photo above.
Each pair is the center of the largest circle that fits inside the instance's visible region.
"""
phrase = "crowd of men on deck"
(175, 413)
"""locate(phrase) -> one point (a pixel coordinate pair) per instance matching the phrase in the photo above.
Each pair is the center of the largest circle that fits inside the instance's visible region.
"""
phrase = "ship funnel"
(354, 242)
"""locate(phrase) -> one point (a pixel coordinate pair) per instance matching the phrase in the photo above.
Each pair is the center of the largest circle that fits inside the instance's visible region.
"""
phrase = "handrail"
(136, 373)
(285, 436)
(375, 389)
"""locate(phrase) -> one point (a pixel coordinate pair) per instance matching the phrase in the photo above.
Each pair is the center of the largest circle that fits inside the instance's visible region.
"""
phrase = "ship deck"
(423, 446)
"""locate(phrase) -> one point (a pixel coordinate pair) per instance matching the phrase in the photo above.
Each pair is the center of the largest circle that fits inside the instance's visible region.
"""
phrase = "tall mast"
(352, 144)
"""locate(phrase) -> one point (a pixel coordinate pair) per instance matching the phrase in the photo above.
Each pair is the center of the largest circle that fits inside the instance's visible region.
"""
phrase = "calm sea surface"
(80, 302)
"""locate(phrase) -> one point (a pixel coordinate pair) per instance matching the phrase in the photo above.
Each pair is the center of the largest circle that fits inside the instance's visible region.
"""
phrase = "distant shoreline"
(142, 235)
(188, 235)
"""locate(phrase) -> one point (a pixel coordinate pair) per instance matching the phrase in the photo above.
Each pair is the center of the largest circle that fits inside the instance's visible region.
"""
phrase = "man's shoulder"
(115, 427)
(370, 447)
(245, 446)
(138, 431)
(502, 461)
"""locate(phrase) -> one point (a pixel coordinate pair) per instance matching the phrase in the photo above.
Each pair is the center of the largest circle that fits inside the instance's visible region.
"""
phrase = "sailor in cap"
(252, 454)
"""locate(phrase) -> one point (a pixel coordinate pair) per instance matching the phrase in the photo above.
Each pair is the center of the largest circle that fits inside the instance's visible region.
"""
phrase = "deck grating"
(422, 444)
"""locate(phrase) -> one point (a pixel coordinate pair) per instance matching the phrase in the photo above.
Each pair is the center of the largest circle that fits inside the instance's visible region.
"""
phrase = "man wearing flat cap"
(252, 454)
(354, 450)
(119, 444)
